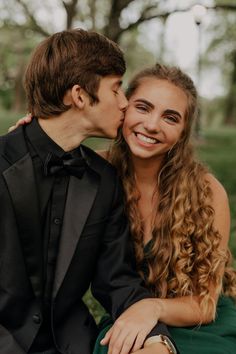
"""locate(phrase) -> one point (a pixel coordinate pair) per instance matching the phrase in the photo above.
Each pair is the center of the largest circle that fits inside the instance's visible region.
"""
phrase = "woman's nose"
(152, 123)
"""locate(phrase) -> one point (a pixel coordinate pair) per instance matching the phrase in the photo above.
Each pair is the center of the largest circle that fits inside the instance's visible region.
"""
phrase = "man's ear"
(79, 96)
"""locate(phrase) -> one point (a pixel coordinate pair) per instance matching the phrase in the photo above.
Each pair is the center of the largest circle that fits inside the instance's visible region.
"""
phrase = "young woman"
(179, 215)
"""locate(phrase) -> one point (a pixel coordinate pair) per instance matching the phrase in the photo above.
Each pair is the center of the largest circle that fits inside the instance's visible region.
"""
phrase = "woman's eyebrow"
(143, 100)
(172, 111)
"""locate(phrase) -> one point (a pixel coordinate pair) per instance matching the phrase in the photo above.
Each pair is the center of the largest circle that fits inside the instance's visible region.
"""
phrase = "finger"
(107, 337)
(11, 128)
(114, 344)
(128, 343)
(139, 341)
(22, 121)
(123, 343)
(28, 118)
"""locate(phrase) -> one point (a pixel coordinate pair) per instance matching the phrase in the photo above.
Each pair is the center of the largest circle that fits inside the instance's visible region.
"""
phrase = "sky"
(180, 38)
(184, 41)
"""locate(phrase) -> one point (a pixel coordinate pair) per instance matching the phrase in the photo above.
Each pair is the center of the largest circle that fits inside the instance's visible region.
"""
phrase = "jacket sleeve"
(8, 345)
(117, 284)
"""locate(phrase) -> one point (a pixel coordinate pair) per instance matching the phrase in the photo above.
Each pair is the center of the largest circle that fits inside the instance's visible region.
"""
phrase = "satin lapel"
(80, 197)
(21, 185)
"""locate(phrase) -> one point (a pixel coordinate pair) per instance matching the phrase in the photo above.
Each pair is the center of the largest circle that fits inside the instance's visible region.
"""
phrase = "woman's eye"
(172, 119)
(142, 108)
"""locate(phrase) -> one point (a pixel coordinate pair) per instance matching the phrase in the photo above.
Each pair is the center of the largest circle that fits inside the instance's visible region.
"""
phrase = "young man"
(62, 224)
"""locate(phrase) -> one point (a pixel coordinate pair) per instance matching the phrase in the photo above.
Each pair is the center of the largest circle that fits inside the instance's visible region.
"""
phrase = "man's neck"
(63, 131)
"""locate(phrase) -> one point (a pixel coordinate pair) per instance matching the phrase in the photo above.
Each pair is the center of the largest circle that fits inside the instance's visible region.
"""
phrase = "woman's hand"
(25, 120)
(131, 329)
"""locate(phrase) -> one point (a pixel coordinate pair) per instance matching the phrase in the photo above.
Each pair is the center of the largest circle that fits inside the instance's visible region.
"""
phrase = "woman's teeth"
(146, 139)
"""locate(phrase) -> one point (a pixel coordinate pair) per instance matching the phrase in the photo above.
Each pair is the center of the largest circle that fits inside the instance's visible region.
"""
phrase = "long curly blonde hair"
(184, 256)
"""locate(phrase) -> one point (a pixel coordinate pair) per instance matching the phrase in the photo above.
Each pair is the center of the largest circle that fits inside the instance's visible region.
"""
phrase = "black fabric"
(69, 164)
(52, 202)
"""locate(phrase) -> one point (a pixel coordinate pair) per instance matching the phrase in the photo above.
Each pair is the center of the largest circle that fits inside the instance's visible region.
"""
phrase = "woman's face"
(155, 118)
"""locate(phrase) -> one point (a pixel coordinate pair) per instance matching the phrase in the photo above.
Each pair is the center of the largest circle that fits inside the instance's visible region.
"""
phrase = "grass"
(218, 152)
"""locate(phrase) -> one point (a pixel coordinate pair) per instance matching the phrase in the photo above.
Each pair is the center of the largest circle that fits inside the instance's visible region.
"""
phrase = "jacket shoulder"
(97, 162)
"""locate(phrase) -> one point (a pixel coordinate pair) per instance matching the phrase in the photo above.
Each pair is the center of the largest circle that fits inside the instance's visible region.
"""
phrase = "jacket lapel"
(80, 197)
(21, 185)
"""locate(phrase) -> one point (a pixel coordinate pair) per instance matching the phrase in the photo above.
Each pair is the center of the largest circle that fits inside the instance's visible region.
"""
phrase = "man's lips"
(146, 138)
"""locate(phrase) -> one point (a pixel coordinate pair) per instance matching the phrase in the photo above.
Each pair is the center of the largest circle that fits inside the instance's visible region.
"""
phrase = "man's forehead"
(112, 80)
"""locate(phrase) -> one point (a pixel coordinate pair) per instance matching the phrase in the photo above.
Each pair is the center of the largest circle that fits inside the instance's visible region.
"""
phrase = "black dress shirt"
(52, 192)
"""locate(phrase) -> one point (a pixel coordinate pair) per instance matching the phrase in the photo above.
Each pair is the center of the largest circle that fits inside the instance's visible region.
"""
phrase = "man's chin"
(111, 135)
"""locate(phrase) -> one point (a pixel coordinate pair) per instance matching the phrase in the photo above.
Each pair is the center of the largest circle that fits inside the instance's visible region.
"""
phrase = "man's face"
(106, 116)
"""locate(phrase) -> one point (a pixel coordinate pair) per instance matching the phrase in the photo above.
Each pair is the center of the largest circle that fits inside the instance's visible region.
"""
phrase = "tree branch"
(34, 24)
(70, 8)
(147, 16)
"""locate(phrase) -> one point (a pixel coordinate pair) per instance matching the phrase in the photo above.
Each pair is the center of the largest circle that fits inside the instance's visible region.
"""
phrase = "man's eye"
(115, 92)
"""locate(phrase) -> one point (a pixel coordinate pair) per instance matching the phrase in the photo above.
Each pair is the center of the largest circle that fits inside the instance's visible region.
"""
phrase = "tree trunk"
(19, 104)
(230, 111)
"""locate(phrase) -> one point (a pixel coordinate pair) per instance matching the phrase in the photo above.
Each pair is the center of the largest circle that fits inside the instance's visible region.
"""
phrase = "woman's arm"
(186, 311)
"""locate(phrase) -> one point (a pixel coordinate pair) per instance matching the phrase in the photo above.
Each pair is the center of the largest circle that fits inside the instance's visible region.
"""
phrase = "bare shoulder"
(103, 153)
(220, 204)
(218, 191)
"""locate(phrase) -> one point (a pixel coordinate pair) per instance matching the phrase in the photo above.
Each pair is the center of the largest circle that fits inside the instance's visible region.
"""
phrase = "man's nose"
(123, 102)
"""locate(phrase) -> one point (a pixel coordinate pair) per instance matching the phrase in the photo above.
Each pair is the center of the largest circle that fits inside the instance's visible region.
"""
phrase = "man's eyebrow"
(119, 83)
(142, 100)
(172, 111)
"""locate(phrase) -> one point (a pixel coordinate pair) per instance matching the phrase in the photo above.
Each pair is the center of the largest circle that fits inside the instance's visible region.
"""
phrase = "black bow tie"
(65, 165)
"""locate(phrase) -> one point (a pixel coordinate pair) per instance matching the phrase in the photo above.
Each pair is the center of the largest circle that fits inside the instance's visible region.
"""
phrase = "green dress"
(218, 337)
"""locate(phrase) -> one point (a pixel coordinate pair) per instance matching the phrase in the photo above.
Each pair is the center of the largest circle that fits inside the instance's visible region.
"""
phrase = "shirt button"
(57, 221)
(36, 318)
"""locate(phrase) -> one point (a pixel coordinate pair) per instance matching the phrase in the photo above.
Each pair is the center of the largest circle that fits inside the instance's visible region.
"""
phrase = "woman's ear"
(79, 96)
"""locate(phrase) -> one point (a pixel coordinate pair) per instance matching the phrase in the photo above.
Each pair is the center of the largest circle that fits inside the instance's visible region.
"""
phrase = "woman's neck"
(146, 170)
(146, 176)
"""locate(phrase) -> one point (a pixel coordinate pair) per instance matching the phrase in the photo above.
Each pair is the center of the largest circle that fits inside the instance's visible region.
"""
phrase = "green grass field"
(218, 152)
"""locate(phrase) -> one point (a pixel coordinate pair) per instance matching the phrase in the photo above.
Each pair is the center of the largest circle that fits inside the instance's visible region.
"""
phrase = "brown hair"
(65, 59)
(184, 253)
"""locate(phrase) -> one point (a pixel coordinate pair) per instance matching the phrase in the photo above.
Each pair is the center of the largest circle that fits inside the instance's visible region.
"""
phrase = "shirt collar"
(42, 143)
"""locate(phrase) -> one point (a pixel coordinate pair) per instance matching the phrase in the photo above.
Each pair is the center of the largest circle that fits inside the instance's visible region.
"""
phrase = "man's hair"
(66, 59)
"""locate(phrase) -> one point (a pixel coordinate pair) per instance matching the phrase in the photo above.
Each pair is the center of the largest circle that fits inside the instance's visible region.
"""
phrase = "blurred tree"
(222, 52)
(230, 111)
(23, 23)
(117, 19)
(15, 46)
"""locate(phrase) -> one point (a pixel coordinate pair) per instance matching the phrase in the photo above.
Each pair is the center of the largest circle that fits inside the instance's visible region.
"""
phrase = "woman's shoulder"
(217, 188)
(220, 204)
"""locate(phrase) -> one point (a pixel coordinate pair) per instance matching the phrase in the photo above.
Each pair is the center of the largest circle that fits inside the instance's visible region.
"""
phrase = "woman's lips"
(146, 139)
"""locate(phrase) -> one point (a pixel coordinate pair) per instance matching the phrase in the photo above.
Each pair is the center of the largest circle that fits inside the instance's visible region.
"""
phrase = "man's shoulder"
(12, 145)
(11, 136)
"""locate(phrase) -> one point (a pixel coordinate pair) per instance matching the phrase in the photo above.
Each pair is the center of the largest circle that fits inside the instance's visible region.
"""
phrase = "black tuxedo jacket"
(94, 249)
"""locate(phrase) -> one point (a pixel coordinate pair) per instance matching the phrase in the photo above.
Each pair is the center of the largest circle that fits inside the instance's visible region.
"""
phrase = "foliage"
(23, 23)
(218, 151)
(222, 53)
(16, 45)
